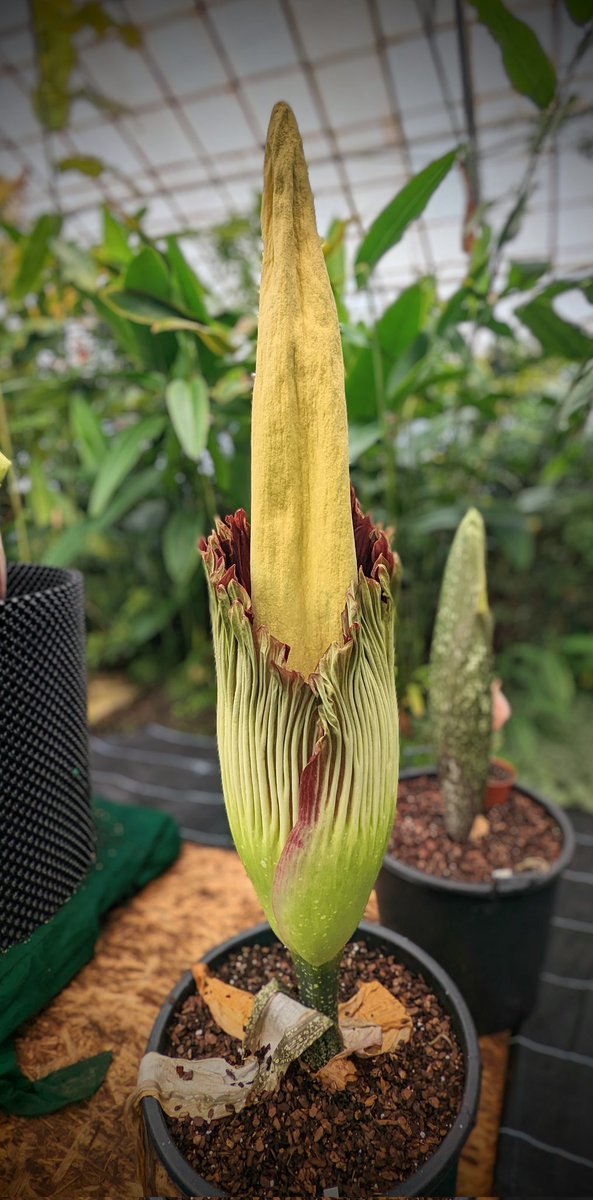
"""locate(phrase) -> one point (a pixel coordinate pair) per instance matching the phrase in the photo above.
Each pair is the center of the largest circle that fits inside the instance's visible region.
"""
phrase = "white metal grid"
(376, 87)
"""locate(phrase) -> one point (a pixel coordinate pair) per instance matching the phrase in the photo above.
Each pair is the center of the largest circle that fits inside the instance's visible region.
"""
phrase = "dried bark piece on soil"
(480, 828)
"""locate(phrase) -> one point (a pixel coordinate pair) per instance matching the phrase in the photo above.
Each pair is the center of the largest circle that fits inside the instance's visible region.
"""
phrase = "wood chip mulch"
(304, 1139)
(522, 835)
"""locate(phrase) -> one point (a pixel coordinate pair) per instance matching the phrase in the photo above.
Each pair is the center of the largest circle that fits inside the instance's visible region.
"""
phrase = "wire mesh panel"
(47, 836)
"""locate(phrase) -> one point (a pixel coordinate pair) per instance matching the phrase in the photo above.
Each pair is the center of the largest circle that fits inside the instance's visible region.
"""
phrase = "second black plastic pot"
(437, 1176)
(490, 938)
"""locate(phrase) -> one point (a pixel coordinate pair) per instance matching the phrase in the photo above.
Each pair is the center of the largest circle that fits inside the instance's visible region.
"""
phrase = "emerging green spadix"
(307, 731)
(461, 669)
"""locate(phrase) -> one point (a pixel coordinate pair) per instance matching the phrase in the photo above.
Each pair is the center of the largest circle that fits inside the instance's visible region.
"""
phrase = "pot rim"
(448, 994)
(502, 762)
(527, 882)
(70, 578)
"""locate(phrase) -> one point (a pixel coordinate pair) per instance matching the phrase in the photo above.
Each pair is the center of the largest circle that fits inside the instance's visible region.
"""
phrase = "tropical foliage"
(125, 400)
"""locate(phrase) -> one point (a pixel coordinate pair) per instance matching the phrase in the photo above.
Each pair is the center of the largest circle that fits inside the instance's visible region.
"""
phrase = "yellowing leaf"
(230, 1007)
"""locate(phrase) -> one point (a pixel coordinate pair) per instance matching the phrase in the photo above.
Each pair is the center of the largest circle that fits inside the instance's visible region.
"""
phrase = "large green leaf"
(408, 370)
(129, 336)
(140, 486)
(134, 336)
(76, 541)
(115, 250)
(187, 402)
(16, 235)
(391, 224)
(35, 254)
(180, 545)
(581, 11)
(87, 433)
(41, 499)
(86, 164)
(78, 266)
(524, 275)
(143, 309)
(334, 250)
(518, 546)
(125, 451)
(82, 538)
(558, 338)
(559, 287)
(361, 438)
(191, 291)
(395, 333)
(527, 65)
(147, 274)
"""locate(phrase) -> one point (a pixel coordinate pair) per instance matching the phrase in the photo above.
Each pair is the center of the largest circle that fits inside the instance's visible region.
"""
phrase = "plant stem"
(13, 487)
(318, 988)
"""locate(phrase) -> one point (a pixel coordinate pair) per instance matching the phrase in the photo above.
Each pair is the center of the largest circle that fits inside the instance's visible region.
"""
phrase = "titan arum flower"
(461, 678)
(302, 614)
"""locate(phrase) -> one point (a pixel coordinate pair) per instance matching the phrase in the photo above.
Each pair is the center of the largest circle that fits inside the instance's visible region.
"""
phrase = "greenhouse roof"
(377, 87)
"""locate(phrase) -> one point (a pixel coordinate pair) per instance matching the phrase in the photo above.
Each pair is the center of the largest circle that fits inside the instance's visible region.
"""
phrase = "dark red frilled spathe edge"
(226, 552)
(371, 543)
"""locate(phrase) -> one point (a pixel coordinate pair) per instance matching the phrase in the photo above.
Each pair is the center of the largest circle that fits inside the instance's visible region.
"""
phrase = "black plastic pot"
(47, 841)
(437, 1176)
(490, 938)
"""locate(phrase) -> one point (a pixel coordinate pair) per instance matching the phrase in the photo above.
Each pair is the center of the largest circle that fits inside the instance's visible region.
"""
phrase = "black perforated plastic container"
(47, 833)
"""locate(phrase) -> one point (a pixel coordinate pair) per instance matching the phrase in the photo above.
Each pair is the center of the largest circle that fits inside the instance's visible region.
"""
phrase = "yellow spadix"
(302, 543)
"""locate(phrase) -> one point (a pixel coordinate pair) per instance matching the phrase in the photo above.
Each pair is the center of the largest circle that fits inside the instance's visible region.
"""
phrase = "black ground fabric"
(546, 1140)
(165, 769)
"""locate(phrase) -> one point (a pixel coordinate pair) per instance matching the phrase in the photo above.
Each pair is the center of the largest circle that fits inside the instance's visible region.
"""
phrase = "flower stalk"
(318, 988)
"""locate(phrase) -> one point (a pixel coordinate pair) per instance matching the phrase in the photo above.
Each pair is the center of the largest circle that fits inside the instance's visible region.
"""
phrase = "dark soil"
(304, 1138)
(497, 772)
(522, 836)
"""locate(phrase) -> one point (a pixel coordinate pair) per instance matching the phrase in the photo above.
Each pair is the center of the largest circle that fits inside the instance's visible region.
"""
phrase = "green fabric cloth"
(134, 845)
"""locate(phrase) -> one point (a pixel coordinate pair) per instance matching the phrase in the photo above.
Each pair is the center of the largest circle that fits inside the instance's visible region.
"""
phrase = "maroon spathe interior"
(232, 542)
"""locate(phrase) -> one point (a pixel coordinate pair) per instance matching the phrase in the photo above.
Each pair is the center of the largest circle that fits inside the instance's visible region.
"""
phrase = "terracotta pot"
(499, 790)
